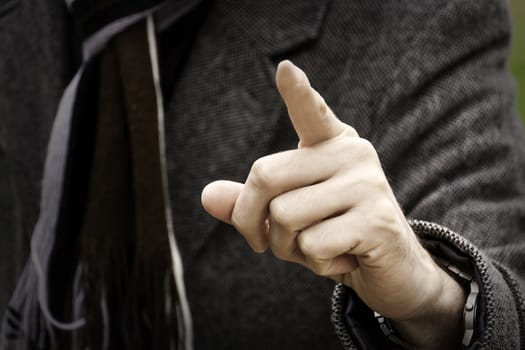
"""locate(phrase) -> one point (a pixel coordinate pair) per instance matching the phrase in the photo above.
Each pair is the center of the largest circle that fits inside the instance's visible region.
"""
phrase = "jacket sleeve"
(453, 150)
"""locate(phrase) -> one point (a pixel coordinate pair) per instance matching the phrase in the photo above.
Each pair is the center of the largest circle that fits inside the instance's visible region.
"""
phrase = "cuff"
(500, 312)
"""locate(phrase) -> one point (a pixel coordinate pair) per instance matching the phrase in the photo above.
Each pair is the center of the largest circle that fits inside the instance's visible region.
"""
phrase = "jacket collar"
(277, 27)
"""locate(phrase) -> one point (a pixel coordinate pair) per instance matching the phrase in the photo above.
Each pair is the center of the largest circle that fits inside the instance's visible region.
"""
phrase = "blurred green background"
(517, 59)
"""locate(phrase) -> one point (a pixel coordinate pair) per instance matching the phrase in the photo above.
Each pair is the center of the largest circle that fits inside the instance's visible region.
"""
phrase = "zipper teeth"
(338, 303)
(425, 229)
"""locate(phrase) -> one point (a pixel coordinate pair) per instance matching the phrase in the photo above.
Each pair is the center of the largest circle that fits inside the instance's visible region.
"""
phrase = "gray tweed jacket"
(424, 80)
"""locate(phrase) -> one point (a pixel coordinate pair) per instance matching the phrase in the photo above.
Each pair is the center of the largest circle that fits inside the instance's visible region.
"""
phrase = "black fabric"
(65, 253)
(92, 15)
(363, 326)
(423, 80)
(125, 256)
(107, 229)
(175, 44)
(110, 260)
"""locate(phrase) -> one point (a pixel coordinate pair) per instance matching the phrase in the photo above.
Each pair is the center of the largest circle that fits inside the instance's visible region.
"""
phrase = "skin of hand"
(328, 206)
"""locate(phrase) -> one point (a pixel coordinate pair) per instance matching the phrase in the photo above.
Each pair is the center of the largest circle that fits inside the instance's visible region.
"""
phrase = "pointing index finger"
(313, 120)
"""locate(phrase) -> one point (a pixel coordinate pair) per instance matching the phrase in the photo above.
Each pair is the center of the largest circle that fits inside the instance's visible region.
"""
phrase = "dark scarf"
(105, 271)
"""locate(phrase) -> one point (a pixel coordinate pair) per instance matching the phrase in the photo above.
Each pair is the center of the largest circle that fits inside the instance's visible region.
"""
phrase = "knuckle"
(375, 181)
(386, 218)
(306, 244)
(361, 150)
(384, 206)
(346, 144)
(309, 245)
(350, 132)
(279, 211)
(261, 174)
(365, 148)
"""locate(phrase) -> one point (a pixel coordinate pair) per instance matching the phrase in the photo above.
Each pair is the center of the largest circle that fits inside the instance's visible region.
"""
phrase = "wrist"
(440, 323)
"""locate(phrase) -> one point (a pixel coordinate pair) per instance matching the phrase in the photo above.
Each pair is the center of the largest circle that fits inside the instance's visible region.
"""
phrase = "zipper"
(339, 298)
(426, 230)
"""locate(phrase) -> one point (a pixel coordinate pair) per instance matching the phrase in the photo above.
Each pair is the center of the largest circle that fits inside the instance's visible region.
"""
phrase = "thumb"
(219, 197)
(312, 119)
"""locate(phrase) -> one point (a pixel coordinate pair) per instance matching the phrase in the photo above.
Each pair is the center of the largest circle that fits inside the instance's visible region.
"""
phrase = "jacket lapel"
(278, 27)
(225, 108)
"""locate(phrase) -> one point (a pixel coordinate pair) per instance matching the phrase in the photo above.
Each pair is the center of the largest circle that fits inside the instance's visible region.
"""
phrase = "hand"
(328, 206)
